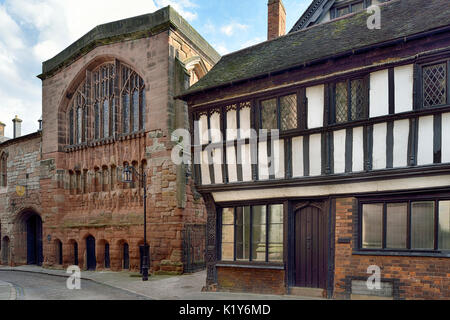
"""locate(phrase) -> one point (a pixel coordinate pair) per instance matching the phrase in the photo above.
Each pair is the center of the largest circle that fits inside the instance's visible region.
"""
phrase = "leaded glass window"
(71, 127)
(106, 92)
(97, 121)
(435, 85)
(3, 170)
(126, 113)
(279, 113)
(135, 110)
(288, 110)
(350, 100)
(106, 119)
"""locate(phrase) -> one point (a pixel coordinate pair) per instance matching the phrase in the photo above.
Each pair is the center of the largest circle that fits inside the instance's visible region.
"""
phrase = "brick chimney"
(2, 129)
(277, 19)
(17, 125)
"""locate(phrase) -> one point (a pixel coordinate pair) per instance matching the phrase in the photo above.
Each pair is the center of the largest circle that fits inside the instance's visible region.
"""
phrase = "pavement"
(184, 287)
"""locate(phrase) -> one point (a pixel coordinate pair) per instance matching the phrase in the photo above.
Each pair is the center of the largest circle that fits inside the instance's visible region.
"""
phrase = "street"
(34, 286)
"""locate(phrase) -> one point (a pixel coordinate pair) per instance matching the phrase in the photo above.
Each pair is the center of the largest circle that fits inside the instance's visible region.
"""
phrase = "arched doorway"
(34, 240)
(107, 257)
(59, 252)
(310, 246)
(5, 251)
(73, 245)
(91, 259)
(126, 256)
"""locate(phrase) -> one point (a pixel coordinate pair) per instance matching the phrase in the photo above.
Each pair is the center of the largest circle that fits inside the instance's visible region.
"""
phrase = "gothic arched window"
(110, 91)
(3, 170)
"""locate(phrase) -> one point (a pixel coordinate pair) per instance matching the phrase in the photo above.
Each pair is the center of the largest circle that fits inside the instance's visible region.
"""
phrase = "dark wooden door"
(91, 262)
(126, 256)
(310, 246)
(75, 253)
(34, 240)
(107, 258)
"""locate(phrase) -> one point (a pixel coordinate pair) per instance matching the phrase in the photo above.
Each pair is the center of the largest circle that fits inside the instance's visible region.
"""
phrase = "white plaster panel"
(316, 97)
(358, 150)
(206, 177)
(263, 165)
(218, 161)
(246, 163)
(216, 135)
(339, 151)
(315, 155)
(401, 137)
(278, 146)
(231, 125)
(425, 151)
(445, 147)
(231, 162)
(404, 88)
(379, 146)
(245, 123)
(379, 93)
(203, 129)
(297, 157)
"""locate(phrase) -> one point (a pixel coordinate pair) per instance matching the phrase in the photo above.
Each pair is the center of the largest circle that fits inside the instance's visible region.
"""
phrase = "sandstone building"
(346, 171)
(108, 102)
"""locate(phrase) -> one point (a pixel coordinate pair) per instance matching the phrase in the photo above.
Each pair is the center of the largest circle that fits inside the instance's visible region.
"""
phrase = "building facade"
(108, 104)
(323, 155)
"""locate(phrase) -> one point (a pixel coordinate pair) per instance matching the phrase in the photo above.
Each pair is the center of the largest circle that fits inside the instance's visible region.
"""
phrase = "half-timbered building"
(323, 155)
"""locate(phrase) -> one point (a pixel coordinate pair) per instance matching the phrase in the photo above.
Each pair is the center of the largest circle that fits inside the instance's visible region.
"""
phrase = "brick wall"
(251, 280)
(415, 277)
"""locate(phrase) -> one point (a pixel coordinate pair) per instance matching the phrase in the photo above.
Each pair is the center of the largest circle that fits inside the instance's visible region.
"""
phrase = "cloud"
(33, 31)
(231, 28)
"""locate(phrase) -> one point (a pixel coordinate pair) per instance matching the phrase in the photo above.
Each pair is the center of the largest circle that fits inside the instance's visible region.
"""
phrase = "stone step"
(307, 292)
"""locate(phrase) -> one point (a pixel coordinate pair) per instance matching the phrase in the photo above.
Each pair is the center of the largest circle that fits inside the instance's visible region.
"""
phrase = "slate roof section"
(400, 19)
(128, 29)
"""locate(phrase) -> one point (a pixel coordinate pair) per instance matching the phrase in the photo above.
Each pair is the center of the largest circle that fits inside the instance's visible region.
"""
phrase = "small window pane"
(228, 216)
(276, 234)
(422, 225)
(357, 7)
(269, 114)
(396, 225)
(288, 105)
(259, 234)
(106, 119)
(243, 233)
(444, 225)
(79, 125)
(135, 111)
(372, 233)
(435, 85)
(142, 108)
(71, 142)
(357, 93)
(341, 96)
(342, 11)
(126, 113)
(97, 121)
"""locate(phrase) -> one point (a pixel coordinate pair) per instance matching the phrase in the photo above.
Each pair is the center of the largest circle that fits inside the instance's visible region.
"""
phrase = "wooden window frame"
(409, 200)
(278, 97)
(250, 259)
(349, 5)
(419, 83)
(331, 109)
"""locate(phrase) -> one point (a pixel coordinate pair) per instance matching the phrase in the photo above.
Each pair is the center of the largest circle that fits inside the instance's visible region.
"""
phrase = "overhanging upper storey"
(360, 115)
(129, 29)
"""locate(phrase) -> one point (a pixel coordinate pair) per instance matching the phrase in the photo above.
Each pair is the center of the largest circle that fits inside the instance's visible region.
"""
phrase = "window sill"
(250, 265)
(430, 254)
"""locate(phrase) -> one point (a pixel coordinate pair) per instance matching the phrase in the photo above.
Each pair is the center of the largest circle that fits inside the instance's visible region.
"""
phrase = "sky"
(33, 31)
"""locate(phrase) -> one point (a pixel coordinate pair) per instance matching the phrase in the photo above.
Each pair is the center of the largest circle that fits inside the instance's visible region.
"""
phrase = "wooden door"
(310, 246)
(91, 263)
(126, 256)
(34, 240)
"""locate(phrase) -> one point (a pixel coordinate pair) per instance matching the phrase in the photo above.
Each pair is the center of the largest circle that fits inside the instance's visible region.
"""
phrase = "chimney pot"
(17, 123)
(2, 129)
(277, 19)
